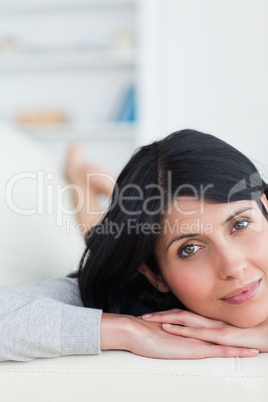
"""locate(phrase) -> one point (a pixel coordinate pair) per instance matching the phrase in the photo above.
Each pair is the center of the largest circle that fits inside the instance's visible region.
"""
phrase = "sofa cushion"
(37, 236)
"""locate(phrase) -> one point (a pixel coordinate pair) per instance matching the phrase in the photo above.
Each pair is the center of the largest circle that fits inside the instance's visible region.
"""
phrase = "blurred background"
(115, 74)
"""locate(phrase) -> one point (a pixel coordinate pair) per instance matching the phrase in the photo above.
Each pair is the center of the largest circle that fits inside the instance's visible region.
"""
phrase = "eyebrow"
(185, 236)
(235, 214)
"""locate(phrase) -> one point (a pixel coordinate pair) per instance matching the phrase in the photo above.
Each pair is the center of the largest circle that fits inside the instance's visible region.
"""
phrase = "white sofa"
(34, 248)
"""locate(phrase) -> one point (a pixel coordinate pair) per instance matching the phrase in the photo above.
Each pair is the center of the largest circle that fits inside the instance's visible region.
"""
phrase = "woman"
(191, 218)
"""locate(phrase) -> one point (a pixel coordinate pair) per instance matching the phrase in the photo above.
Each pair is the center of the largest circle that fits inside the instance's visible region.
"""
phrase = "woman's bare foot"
(94, 182)
(94, 177)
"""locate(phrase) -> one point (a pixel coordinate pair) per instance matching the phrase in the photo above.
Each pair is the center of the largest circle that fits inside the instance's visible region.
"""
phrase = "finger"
(182, 317)
(201, 350)
(232, 336)
(226, 351)
(173, 310)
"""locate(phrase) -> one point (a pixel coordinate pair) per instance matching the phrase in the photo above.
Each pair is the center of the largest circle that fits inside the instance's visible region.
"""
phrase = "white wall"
(208, 70)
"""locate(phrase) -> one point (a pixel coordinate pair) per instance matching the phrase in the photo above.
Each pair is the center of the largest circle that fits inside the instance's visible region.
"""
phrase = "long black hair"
(108, 274)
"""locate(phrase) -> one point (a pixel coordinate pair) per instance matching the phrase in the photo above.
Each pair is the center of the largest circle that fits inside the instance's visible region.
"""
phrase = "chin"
(245, 321)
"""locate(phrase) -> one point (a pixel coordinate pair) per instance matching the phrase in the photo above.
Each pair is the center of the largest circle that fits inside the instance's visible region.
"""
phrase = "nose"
(231, 262)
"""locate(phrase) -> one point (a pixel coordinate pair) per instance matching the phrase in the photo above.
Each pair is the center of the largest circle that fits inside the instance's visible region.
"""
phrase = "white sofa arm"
(121, 376)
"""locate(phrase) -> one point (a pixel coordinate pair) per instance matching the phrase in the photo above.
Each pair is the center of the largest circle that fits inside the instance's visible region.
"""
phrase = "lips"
(243, 289)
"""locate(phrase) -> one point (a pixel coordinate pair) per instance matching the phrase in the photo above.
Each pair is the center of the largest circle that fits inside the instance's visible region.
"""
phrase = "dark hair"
(185, 160)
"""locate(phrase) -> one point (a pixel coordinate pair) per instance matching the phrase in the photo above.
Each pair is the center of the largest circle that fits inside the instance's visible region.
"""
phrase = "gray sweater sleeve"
(46, 319)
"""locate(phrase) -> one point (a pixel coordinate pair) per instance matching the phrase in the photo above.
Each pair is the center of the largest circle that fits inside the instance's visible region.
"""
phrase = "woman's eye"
(241, 224)
(188, 250)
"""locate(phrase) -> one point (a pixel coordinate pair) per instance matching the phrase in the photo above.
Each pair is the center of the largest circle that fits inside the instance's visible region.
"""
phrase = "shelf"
(68, 60)
(81, 131)
(96, 49)
(52, 6)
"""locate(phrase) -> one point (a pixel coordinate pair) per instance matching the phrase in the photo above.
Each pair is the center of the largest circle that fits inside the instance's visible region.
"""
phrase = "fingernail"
(253, 350)
(147, 315)
(166, 325)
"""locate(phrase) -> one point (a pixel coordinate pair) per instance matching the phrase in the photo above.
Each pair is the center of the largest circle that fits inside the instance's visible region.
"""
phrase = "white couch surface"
(123, 377)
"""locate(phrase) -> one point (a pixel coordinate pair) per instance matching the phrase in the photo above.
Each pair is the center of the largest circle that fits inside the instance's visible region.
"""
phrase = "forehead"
(191, 205)
(187, 210)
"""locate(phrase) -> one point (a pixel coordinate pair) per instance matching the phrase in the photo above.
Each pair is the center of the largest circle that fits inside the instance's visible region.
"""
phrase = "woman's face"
(210, 254)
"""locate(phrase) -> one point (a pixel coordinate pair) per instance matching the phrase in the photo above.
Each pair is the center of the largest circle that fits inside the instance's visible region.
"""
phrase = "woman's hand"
(148, 339)
(194, 326)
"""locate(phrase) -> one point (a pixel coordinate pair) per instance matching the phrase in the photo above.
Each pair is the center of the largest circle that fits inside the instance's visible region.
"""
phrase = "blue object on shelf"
(127, 111)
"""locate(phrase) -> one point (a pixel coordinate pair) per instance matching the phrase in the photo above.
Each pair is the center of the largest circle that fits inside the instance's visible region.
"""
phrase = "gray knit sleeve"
(46, 320)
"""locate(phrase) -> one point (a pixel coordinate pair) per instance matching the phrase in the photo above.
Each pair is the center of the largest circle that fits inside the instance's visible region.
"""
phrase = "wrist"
(115, 331)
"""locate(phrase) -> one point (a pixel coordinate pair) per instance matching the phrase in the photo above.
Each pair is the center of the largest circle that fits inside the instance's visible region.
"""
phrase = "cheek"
(191, 288)
(257, 250)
